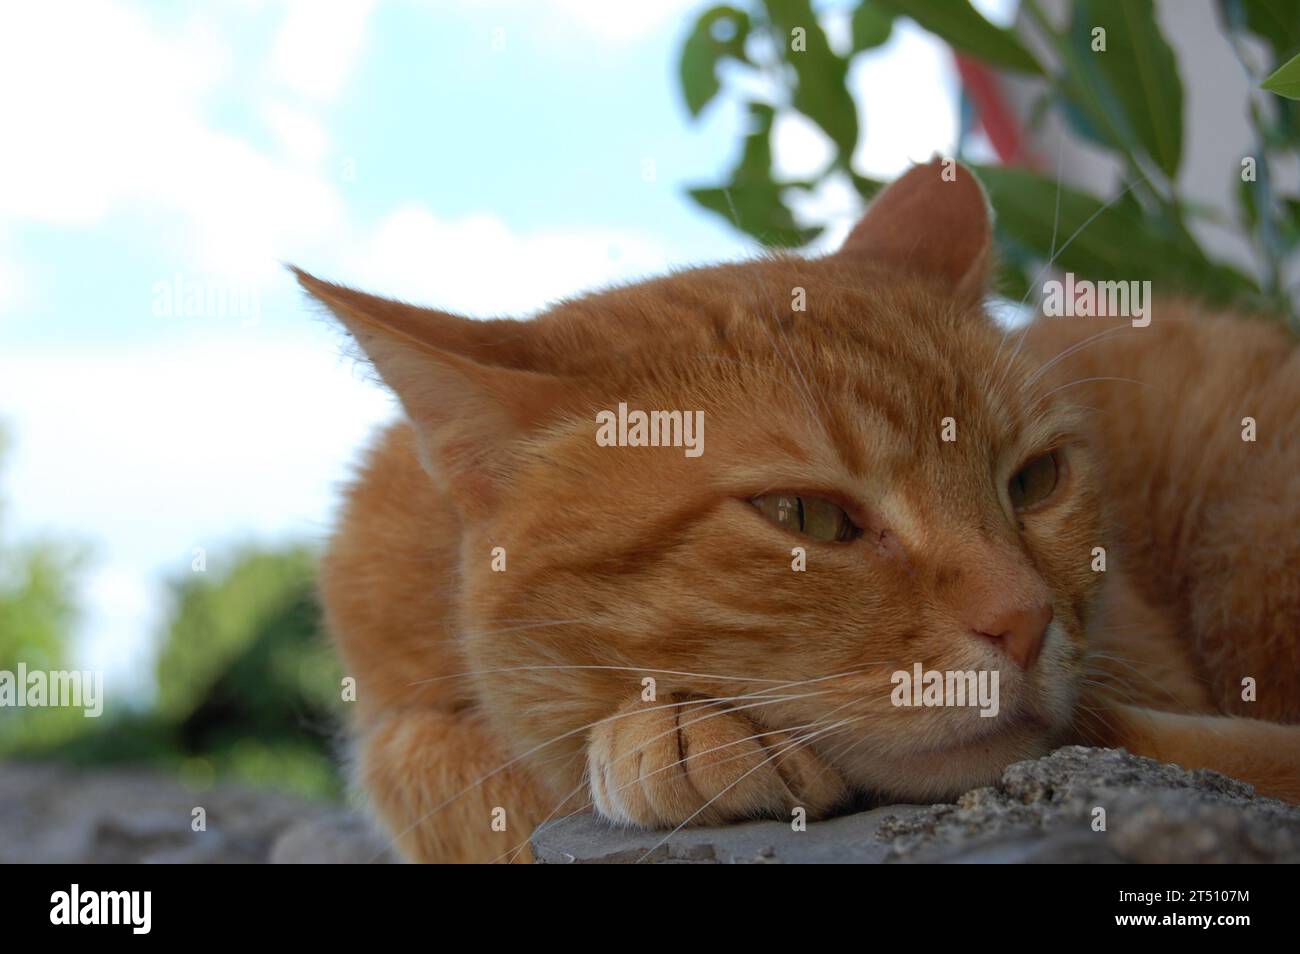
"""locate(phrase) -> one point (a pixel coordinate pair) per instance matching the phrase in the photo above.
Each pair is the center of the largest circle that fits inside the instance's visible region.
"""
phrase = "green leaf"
(1134, 82)
(1289, 223)
(756, 209)
(1103, 241)
(820, 92)
(1247, 205)
(1277, 22)
(704, 49)
(1286, 81)
(872, 26)
(756, 153)
(753, 202)
(961, 25)
(867, 188)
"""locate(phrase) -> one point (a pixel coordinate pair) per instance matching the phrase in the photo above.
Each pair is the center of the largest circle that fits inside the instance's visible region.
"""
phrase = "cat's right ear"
(933, 221)
(465, 385)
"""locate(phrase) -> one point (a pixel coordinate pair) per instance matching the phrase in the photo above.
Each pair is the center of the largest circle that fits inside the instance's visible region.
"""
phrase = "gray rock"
(1043, 810)
(51, 813)
(1040, 811)
(340, 838)
(585, 839)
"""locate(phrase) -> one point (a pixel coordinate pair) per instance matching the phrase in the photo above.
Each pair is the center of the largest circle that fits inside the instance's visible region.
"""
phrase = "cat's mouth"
(960, 757)
(1011, 726)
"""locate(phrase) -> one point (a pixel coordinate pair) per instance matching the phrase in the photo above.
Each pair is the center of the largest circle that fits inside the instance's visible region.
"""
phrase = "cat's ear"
(465, 385)
(934, 220)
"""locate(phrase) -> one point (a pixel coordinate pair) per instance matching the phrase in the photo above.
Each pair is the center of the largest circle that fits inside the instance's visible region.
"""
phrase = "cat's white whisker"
(1066, 352)
(1051, 261)
(637, 751)
(583, 728)
(593, 666)
(1070, 384)
(695, 814)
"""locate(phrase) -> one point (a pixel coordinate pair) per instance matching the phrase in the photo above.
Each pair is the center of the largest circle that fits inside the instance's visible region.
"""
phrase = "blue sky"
(483, 157)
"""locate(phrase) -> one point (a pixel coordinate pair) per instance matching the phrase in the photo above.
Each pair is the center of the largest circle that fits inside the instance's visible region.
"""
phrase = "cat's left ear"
(933, 221)
(469, 388)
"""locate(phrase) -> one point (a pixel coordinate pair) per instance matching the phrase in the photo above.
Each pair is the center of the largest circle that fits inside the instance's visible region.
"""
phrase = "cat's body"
(1204, 525)
(502, 586)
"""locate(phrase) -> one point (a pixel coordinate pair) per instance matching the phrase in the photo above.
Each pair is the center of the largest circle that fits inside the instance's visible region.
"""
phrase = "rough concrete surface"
(50, 814)
(1040, 811)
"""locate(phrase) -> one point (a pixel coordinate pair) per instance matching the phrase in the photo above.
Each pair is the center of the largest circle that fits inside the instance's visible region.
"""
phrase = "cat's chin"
(942, 772)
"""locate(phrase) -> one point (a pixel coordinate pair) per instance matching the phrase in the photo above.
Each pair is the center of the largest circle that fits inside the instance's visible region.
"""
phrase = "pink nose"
(1016, 631)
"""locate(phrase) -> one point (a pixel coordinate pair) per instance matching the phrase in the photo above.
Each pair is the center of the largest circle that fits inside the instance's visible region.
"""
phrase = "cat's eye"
(1034, 483)
(814, 517)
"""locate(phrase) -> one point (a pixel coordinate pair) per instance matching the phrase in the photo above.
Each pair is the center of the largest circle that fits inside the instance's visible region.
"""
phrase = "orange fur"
(524, 690)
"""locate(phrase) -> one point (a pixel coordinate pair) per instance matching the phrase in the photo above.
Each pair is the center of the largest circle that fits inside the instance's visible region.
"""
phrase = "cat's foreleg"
(446, 790)
(678, 763)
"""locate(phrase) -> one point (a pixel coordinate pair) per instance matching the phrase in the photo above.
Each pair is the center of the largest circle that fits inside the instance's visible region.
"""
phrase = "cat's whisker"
(1051, 254)
(1062, 387)
(1116, 686)
(583, 728)
(640, 749)
(835, 755)
(696, 702)
(1065, 353)
(537, 748)
(695, 814)
(670, 766)
(1052, 261)
(721, 711)
(593, 666)
(1127, 684)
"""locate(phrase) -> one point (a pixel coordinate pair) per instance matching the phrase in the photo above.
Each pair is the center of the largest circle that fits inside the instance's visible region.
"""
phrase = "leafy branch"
(1110, 75)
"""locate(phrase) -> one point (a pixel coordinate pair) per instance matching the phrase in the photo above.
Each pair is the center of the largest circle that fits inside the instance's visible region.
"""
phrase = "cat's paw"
(664, 764)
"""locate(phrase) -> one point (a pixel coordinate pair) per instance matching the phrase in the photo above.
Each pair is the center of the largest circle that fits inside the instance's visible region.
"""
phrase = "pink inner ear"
(934, 221)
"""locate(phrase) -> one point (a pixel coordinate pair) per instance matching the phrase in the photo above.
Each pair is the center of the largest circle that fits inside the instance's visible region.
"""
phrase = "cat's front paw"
(669, 763)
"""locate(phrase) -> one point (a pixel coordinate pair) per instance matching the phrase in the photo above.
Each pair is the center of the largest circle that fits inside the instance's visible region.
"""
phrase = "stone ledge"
(1040, 811)
(52, 814)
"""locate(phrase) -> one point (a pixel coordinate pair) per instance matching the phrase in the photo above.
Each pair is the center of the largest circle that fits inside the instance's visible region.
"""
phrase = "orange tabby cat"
(539, 622)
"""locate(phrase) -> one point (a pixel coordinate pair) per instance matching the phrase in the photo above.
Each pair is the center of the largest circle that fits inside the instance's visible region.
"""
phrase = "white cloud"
(150, 451)
(153, 450)
(88, 117)
(300, 134)
(898, 130)
(623, 21)
(476, 265)
(117, 121)
(799, 147)
(13, 283)
(318, 44)
(613, 21)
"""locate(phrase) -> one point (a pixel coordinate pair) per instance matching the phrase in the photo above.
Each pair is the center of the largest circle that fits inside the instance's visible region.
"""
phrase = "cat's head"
(879, 482)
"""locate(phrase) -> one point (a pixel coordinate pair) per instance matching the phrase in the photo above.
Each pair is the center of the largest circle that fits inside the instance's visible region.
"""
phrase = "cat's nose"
(1017, 631)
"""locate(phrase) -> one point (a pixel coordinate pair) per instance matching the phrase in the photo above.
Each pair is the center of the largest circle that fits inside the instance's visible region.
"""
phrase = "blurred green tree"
(246, 677)
(247, 688)
(37, 613)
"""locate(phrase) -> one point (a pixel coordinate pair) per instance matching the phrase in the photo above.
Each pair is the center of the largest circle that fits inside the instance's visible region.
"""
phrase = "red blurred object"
(996, 118)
